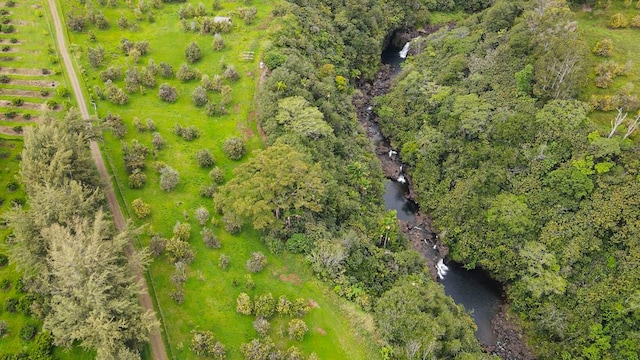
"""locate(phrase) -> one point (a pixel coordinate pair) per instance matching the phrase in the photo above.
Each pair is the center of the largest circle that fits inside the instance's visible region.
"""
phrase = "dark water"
(394, 199)
(475, 290)
(478, 293)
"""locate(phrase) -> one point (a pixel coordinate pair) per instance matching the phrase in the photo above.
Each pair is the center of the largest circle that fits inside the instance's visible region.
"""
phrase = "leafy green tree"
(299, 117)
(193, 53)
(253, 195)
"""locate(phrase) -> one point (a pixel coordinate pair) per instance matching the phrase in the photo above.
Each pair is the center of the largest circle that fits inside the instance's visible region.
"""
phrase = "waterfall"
(402, 179)
(404, 51)
(442, 269)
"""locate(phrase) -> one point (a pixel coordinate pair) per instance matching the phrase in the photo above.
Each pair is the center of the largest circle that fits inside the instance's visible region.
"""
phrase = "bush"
(186, 73)
(189, 133)
(169, 178)
(112, 73)
(202, 214)
(256, 263)
(635, 22)
(137, 179)
(274, 244)
(199, 96)
(4, 327)
(203, 343)
(141, 208)
(231, 73)
(284, 306)
(158, 141)
(180, 251)
(134, 156)
(167, 93)
(4, 260)
(209, 239)
(234, 148)
(181, 231)
(248, 15)
(218, 42)
(207, 191)
(193, 52)
(12, 187)
(299, 244)
(297, 329)
(217, 175)
(264, 306)
(157, 245)
(17, 102)
(204, 158)
(231, 223)
(11, 304)
(4, 79)
(262, 326)
(618, 21)
(28, 331)
(223, 261)
(274, 59)
(603, 48)
(243, 304)
(166, 70)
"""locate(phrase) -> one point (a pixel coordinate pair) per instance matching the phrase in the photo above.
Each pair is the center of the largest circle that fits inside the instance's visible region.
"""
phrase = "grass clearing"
(592, 25)
(337, 329)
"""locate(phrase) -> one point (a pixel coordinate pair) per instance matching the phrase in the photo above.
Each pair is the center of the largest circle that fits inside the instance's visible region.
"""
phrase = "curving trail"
(155, 339)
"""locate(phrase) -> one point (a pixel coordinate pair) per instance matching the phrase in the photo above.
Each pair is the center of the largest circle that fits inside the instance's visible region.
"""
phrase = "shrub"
(178, 296)
(158, 141)
(137, 179)
(112, 73)
(141, 208)
(18, 129)
(157, 245)
(231, 73)
(116, 125)
(193, 52)
(114, 94)
(297, 329)
(284, 306)
(4, 260)
(182, 231)
(256, 262)
(248, 15)
(28, 331)
(216, 109)
(166, 70)
(186, 73)
(209, 239)
(17, 102)
(134, 155)
(204, 343)
(3, 327)
(207, 191)
(212, 84)
(264, 305)
(189, 133)
(274, 59)
(243, 304)
(11, 304)
(202, 214)
(299, 244)
(262, 326)
(180, 251)
(167, 93)
(4, 79)
(234, 148)
(218, 42)
(635, 22)
(603, 48)
(11, 186)
(217, 175)
(223, 261)
(199, 96)
(618, 21)
(169, 178)
(231, 223)
(274, 244)
(8, 28)
(204, 158)
(299, 307)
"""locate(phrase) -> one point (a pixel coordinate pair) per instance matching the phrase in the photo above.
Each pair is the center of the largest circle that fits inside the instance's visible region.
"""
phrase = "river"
(474, 289)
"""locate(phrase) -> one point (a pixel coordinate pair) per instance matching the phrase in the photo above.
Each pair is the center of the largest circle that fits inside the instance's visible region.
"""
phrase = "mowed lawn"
(337, 330)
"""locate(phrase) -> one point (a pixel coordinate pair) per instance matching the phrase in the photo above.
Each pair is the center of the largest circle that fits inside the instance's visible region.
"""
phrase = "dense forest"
(519, 181)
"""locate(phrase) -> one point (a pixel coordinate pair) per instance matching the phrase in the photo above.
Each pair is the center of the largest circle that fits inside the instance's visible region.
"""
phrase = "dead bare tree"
(616, 122)
(633, 126)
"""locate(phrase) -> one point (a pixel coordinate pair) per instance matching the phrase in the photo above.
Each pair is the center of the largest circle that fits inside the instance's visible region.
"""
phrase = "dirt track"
(155, 339)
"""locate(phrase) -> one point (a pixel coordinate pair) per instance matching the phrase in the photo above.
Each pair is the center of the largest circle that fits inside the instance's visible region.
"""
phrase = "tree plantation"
(230, 135)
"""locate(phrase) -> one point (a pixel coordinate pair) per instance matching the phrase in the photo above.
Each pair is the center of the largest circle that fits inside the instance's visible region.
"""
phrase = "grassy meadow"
(337, 330)
(592, 24)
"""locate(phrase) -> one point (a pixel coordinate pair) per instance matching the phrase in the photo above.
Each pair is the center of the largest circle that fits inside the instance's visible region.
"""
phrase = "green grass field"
(337, 330)
(593, 28)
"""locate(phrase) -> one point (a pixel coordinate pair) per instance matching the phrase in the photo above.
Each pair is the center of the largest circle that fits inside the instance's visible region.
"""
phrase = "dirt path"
(155, 339)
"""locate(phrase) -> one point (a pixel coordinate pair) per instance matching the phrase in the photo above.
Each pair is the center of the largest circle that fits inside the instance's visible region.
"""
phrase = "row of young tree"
(519, 180)
(72, 258)
(317, 188)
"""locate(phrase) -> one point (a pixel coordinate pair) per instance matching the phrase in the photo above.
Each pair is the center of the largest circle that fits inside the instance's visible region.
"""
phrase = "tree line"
(73, 260)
